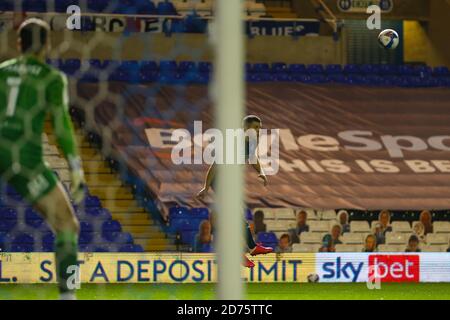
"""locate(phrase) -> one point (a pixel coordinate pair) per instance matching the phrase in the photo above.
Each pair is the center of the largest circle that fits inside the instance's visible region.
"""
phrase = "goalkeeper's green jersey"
(29, 91)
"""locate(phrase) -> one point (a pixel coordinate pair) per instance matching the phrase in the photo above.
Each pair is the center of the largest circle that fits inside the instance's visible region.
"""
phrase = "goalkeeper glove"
(78, 185)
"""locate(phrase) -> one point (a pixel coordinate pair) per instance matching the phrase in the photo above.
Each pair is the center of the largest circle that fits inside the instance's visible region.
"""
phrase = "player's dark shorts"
(31, 183)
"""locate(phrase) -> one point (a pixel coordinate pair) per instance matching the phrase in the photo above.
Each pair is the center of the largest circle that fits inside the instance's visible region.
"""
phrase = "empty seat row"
(159, 7)
(151, 7)
(264, 68)
(171, 72)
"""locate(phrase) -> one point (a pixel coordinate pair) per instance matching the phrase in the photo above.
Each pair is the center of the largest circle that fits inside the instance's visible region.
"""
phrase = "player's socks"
(66, 247)
(251, 244)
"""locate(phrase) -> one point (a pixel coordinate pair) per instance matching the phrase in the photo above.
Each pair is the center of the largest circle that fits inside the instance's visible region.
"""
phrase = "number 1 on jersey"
(14, 84)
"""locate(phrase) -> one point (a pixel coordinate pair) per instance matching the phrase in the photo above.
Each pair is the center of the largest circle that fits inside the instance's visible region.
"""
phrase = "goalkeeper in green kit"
(29, 91)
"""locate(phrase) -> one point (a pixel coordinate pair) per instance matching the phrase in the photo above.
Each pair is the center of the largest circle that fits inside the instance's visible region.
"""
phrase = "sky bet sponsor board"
(393, 267)
(152, 268)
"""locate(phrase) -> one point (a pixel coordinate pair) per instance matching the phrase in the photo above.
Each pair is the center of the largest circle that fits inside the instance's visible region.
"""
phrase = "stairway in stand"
(117, 198)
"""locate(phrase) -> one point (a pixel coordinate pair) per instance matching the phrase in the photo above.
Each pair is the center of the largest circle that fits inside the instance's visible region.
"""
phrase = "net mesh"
(120, 64)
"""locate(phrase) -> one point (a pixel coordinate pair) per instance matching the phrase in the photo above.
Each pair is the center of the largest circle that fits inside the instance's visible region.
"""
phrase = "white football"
(389, 39)
(313, 277)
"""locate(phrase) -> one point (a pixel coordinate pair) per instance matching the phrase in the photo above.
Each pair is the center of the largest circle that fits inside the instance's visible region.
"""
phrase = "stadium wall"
(195, 47)
(439, 25)
(24, 268)
(402, 9)
(416, 42)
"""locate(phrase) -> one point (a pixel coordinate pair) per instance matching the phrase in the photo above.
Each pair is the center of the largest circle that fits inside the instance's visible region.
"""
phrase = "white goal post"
(229, 110)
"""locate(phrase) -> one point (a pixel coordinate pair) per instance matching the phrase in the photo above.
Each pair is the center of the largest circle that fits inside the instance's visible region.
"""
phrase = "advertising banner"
(385, 267)
(202, 268)
(168, 25)
(340, 146)
(151, 268)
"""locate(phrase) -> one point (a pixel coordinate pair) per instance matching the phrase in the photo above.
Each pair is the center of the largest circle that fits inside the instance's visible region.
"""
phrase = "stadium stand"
(22, 229)
(123, 224)
(201, 8)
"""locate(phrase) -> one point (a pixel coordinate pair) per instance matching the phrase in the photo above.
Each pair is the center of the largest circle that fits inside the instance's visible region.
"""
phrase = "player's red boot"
(248, 263)
(260, 249)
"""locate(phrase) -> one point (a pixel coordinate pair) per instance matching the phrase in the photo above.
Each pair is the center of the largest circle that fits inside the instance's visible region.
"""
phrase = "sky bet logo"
(394, 268)
(342, 270)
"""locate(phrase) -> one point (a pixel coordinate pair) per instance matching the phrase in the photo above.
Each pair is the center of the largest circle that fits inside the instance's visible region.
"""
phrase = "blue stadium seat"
(168, 66)
(97, 213)
(7, 5)
(422, 71)
(188, 71)
(97, 5)
(33, 218)
(8, 219)
(92, 201)
(145, 77)
(282, 77)
(96, 64)
(297, 69)
(279, 67)
(305, 78)
(315, 69)
(192, 23)
(85, 238)
(267, 238)
(187, 66)
(405, 70)
(48, 237)
(86, 227)
(188, 236)
(71, 66)
(166, 8)
(126, 71)
(200, 213)
(23, 242)
(178, 213)
(145, 7)
(338, 78)
(370, 69)
(333, 69)
(148, 71)
(260, 68)
(205, 67)
(149, 66)
(441, 72)
(123, 238)
(319, 78)
(111, 226)
(444, 81)
(62, 5)
(178, 225)
(131, 248)
(374, 79)
(111, 230)
(34, 5)
(388, 69)
(351, 69)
